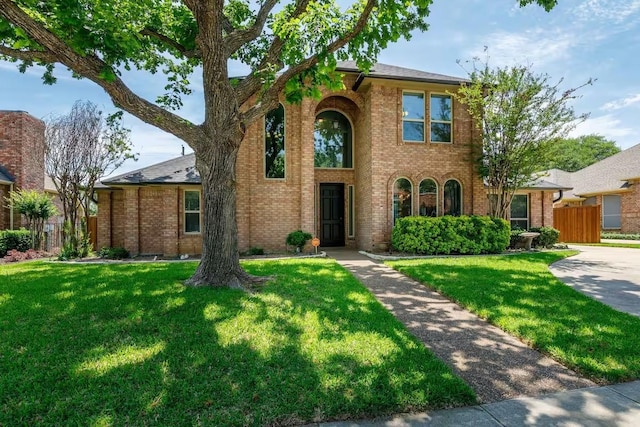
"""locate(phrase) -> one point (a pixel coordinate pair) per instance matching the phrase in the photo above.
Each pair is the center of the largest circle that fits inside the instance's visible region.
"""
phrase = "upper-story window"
(440, 114)
(333, 140)
(413, 116)
(274, 154)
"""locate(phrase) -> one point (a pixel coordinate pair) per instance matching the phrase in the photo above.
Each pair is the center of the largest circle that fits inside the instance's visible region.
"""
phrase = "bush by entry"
(462, 235)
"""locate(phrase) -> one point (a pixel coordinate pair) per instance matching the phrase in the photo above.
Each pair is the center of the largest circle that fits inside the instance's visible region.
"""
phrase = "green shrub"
(547, 238)
(450, 235)
(620, 236)
(19, 240)
(113, 253)
(255, 251)
(515, 238)
(298, 238)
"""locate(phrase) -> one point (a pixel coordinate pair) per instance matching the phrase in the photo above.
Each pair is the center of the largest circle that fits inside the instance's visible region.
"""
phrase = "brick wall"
(22, 154)
(630, 209)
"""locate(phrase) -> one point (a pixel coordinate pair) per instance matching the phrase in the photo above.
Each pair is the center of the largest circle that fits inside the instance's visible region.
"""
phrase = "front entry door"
(332, 214)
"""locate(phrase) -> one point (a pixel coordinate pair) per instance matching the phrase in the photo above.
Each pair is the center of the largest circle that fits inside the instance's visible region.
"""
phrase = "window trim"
(511, 218)
(450, 122)
(461, 195)
(436, 193)
(393, 193)
(423, 121)
(185, 211)
(351, 211)
(353, 139)
(264, 144)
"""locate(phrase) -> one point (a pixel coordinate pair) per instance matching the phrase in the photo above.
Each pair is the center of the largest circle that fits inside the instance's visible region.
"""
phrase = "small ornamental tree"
(290, 47)
(37, 208)
(519, 115)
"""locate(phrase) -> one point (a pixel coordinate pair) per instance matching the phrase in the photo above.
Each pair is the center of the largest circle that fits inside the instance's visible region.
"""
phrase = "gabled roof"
(608, 175)
(384, 71)
(181, 170)
(5, 177)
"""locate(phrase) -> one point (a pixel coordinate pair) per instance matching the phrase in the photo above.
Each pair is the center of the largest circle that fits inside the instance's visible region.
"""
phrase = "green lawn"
(520, 295)
(127, 344)
(613, 245)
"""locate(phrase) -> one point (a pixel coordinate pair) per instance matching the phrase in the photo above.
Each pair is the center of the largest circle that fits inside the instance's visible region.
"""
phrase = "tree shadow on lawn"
(127, 344)
(576, 330)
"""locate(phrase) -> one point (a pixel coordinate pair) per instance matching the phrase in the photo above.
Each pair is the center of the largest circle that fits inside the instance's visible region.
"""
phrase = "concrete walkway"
(609, 275)
(492, 362)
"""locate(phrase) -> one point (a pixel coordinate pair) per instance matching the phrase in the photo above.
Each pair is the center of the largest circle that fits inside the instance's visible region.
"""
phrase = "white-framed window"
(428, 203)
(519, 212)
(611, 212)
(402, 205)
(441, 118)
(452, 198)
(192, 211)
(413, 116)
(274, 144)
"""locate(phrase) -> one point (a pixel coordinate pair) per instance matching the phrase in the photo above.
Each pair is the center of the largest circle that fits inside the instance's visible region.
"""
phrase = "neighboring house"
(613, 183)
(393, 143)
(21, 160)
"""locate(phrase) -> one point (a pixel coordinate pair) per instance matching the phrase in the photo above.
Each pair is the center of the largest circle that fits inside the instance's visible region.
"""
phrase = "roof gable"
(181, 170)
(384, 71)
(609, 174)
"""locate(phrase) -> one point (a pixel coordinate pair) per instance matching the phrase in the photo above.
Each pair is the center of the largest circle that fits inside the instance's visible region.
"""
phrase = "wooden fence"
(53, 234)
(578, 224)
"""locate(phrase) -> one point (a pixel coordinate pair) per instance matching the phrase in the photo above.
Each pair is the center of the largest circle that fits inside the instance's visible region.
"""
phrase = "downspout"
(10, 208)
(559, 197)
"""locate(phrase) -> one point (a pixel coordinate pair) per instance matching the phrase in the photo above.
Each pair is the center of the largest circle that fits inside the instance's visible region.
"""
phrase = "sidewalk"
(500, 368)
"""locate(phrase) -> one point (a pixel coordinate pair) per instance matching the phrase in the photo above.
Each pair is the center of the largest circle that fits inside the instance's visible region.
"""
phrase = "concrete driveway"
(610, 275)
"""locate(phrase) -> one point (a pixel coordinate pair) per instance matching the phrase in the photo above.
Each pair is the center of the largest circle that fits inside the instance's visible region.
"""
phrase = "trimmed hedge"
(548, 237)
(20, 240)
(462, 235)
(620, 236)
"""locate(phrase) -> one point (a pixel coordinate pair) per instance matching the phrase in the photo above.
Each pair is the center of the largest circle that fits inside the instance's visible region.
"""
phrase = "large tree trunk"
(220, 263)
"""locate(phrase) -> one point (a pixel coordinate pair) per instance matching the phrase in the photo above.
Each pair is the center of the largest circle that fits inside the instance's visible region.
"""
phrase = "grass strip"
(613, 245)
(127, 344)
(519, 294)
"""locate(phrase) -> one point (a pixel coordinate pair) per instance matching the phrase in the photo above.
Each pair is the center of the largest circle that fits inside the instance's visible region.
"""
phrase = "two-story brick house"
(392, 143)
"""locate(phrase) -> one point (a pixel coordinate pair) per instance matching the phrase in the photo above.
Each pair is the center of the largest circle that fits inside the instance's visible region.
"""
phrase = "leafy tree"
(37, 208)
(291, 48)
(80, 147)
(519, 115)
(573, 154)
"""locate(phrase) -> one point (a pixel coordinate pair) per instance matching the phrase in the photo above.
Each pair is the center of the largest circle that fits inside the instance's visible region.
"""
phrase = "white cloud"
(608, 125)
(615, 11)
(536, 46)
(621, 103)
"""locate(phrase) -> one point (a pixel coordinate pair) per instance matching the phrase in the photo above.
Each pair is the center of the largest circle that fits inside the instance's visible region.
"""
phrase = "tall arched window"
(452, 198)
(428, 198)
(333, 141)
(401, 198)
(274, 154)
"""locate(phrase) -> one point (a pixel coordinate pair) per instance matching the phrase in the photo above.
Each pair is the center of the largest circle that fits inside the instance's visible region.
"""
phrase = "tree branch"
(237, 38)
(93, 68)
(29, 55)
(272, 92)
(171, 43)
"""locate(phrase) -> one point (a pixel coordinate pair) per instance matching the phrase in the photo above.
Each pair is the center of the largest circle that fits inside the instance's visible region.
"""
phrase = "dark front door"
(332, 214)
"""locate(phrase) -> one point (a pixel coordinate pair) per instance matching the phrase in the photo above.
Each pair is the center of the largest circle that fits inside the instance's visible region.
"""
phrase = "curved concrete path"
(495, 364)
(609, 275)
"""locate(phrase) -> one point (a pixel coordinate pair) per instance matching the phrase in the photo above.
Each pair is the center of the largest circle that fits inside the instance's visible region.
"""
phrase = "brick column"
(131, 223)
(307, 170)
(170, 224)
(103, 239)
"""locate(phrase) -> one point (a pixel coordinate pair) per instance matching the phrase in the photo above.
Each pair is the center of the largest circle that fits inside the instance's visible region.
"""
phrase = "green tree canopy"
(290, 46)
(573, 154)
(519, 116)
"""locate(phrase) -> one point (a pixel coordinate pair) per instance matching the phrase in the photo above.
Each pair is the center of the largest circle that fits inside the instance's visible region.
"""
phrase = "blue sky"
(576, 41)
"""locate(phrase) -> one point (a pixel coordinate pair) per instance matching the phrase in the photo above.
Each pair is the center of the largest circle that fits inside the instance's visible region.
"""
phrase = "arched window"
(333, 141)
(274, 154)
(401, 198)
(428, 198)
(452, 198)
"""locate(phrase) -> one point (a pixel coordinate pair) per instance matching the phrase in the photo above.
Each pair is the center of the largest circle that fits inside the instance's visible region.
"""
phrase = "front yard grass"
(519, 294)
(127, 344)
(613, 245)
